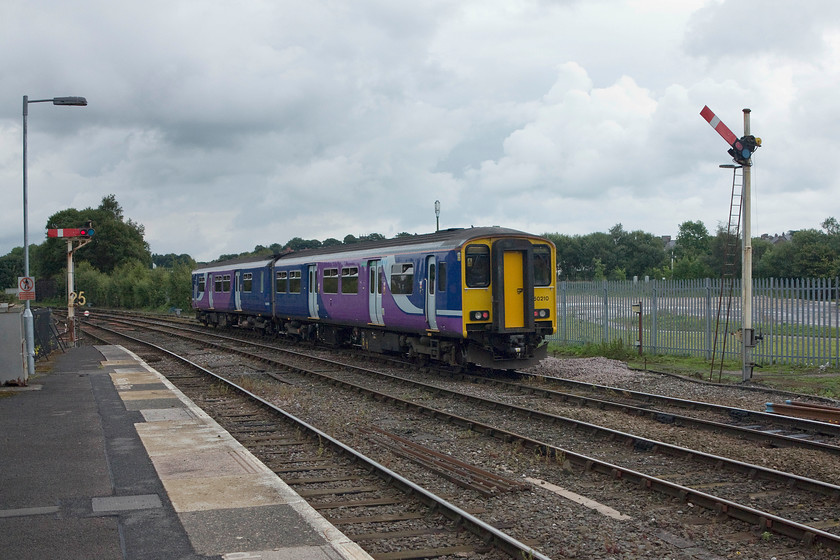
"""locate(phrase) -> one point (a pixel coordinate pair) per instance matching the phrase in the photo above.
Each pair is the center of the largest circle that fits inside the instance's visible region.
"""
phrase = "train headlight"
(541, 313)
(480, 315)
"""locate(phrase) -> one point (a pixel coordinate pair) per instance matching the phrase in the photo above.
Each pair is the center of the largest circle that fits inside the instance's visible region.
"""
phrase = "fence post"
(564, 312)
(709, 340)
(605, 333)
(654, 327)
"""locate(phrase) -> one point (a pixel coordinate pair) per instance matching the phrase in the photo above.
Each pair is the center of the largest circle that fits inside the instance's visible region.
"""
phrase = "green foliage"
(622, 254)
(693, 241)
(616, 255)
(11, 266)
(810, 253)
(171, 260)
(614, 350)
(116, 240)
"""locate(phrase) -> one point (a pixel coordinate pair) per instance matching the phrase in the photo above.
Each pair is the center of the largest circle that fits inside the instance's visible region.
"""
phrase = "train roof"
(441, 240)
(453, 237)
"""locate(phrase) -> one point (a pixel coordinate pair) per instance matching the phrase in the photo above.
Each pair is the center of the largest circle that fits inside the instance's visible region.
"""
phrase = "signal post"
(76, 239)
(741, 152)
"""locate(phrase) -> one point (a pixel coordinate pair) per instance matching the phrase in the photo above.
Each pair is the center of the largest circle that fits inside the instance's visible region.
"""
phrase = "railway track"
(777, 429)
(764, 428)
(334, 477)
(734, 483)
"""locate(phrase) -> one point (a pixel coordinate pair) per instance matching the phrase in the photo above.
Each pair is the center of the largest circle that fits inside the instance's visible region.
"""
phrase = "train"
(483, 296)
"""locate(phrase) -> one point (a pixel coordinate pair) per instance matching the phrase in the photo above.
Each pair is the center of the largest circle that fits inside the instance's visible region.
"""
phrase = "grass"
(811, 379)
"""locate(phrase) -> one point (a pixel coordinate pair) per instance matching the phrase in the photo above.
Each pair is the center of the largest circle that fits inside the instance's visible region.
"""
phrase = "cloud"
(222, 127)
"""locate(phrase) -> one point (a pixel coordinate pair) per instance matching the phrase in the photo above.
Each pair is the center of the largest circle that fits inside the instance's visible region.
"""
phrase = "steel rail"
(797, 423)
(754, 471)
(754, 434)
(764, 520)
(483, 530)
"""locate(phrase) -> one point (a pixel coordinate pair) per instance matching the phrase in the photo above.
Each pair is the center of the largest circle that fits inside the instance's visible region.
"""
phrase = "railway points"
(105, 458)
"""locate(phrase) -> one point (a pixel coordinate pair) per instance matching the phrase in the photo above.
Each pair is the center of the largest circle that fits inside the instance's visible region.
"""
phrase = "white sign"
(26, 288)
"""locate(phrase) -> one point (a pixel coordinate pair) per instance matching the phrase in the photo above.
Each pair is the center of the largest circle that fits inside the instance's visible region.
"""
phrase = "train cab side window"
(542, 265)
(294, 281)
(402, 278)
(441, 277)
(226, 283)
(478, 266)
(280, 283)
(217, 283)
(330, 280)
(201, 286)
(350, 280)
(247, 281)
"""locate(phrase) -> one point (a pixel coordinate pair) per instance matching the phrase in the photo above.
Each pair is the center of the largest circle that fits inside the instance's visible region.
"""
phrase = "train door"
(514, 290)
(237, 290)
(375, 292)
(211, 287)
(513, 285)
(313, 290)
(431, 285)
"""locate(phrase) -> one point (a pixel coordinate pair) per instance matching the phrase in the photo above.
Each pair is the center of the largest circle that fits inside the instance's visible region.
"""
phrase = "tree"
(639, 253)
(719, 245)
(171, 259)
(831, 226)
(11, 266)
(298, 244)
(692, 240)
(116, 240)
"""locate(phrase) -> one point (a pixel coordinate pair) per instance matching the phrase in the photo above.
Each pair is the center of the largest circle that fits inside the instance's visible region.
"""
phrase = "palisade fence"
(797, 319)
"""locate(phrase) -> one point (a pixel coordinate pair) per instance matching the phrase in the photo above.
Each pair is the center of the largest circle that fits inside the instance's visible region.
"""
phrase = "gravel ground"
(640, 524)
(654, 526)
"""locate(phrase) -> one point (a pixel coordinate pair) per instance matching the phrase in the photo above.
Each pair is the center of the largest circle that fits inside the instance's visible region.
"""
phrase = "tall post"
(28, 321)
(747, 333)
(71, 304)
(437, 215)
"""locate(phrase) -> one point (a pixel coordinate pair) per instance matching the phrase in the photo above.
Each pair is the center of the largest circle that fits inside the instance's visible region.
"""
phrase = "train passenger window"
(441, 274)
(478, 266)
(226, 283)
(294, 281)
(330, 280)
(247, 281)
(350, 280)
(280, 283)
(217, 283)
(402, 278)
(542, 265)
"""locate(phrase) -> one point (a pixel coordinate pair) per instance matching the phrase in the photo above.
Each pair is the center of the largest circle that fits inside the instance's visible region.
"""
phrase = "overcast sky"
(220, 126)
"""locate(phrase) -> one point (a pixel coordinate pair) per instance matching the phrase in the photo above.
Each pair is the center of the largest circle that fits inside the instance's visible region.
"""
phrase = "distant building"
(775, 238)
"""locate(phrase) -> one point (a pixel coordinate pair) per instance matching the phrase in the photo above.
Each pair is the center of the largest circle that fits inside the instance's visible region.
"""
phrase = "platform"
(102, 457)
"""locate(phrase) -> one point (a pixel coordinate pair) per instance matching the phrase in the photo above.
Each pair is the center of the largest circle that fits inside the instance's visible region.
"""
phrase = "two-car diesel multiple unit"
(482, 296)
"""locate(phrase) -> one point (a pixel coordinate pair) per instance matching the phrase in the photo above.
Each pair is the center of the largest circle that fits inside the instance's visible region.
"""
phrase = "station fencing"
(797, 320)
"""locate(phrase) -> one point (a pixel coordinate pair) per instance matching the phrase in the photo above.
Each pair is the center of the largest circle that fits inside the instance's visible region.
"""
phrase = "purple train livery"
(484, 296)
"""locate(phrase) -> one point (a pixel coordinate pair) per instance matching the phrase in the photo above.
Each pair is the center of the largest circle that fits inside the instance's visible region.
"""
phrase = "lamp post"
(28, 323)
(437, 215)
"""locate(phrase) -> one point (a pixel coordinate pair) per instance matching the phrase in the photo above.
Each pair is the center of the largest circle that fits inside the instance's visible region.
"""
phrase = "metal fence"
(797, 319)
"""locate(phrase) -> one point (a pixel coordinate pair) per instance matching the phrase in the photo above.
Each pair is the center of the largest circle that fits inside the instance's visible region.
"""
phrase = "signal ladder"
(730, 265)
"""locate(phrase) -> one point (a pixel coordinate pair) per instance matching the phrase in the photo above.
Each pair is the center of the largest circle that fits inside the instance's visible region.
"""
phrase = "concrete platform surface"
(104, 458)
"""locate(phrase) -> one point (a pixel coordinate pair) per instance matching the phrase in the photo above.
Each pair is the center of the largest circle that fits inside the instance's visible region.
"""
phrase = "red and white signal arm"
(70, 232)
(26, 288)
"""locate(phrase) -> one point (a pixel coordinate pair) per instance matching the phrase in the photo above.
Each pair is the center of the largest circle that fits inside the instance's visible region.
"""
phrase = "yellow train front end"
(509, 299)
